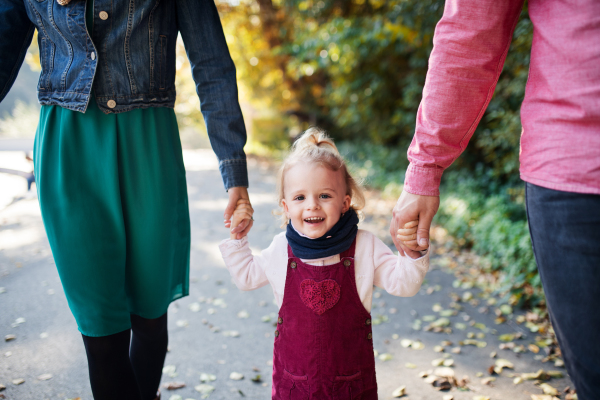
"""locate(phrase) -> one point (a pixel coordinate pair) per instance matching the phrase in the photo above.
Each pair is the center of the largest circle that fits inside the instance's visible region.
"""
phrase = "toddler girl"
(322, 270)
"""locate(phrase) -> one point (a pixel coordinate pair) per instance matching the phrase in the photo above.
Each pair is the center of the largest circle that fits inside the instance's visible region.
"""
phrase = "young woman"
(108, 164)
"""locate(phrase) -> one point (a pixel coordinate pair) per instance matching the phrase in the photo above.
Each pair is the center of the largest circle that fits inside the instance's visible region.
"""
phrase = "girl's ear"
(285, 208)
(347, 202)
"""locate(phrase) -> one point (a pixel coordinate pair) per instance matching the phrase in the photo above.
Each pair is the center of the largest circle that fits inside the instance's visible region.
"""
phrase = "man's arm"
(470, 45)
(16, 31)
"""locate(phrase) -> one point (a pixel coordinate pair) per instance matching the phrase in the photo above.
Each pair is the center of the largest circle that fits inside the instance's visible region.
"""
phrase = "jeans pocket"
(348, 387)
(294, 387)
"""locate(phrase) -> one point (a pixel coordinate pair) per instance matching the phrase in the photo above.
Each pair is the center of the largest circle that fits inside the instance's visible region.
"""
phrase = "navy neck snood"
(337, 240)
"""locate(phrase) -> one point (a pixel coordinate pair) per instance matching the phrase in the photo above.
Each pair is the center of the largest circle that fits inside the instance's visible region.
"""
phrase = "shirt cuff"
(234, 173)
(230, 246)
(423, 181)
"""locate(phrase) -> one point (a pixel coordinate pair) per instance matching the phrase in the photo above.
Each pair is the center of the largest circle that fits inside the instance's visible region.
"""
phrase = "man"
(560, 149)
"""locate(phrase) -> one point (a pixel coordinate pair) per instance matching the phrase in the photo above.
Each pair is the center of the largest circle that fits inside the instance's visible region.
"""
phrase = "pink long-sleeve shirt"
(374, 265)
(560, 114)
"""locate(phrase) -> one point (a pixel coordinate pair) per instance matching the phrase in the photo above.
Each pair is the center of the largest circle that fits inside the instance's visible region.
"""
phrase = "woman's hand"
(242, 226)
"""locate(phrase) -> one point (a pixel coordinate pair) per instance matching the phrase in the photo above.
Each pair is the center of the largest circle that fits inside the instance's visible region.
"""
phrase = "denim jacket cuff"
(234, 173)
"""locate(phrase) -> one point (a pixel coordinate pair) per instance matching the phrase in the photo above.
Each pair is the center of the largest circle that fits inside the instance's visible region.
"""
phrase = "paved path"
(201, 325)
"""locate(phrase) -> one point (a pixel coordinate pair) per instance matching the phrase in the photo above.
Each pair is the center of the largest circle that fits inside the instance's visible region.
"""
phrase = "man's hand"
(411, 207)
(235, 194)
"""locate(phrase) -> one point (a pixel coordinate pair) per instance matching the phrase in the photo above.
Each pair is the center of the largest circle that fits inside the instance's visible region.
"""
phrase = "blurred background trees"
(357, 68)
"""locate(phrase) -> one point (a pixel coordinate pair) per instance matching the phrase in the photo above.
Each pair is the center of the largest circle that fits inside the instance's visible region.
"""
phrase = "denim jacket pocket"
(294, 387)
(348, 387)
(46, 61)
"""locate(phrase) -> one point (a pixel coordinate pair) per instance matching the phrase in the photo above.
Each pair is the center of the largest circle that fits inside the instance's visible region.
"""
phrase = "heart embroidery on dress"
(319, 296)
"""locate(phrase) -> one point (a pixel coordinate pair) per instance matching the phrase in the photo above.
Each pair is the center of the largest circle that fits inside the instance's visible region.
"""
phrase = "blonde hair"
(315, 146)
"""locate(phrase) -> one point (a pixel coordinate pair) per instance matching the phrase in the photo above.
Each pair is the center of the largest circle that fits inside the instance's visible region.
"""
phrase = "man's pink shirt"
(560, 114)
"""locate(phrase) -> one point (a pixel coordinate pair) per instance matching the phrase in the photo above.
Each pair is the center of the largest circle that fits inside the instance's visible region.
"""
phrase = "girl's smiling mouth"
(314, 220)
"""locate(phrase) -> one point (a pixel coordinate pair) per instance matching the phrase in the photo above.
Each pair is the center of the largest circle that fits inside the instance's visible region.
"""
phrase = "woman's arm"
(214, 73)
(16, 31)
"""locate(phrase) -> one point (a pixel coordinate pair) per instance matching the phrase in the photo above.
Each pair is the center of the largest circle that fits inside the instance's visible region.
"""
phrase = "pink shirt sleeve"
(470, 45)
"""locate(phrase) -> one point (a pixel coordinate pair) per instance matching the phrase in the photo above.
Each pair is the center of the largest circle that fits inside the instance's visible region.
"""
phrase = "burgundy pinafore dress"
(323, 342)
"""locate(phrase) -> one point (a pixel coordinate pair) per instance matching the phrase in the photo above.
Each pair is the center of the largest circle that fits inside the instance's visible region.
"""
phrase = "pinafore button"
(277, 333)
(368, 321)
(293, 264)
(346, 263)
(369, 336)
(280, 320)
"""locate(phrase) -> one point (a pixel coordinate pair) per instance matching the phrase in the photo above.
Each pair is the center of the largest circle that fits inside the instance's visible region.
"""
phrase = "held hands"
(408, 237)
(242, 215)
(413, 208)
(238, 214)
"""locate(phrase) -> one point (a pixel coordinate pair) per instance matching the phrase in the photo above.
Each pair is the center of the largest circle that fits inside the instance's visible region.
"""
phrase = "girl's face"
(314, 198)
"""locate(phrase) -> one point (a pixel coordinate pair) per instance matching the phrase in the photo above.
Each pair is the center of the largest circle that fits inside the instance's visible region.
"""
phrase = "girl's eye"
(325, 196)
(299, 198)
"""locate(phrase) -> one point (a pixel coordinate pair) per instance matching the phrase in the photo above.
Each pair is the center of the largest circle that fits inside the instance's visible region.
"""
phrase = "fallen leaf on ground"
(448, 397)
(2, 387)
(547, 389)
(256, 379)
(385, 357)
(207, 377)
(543, 397)
(204, 388)
(455, 350)
(410, 365)
(406, 343)
(488, 380)
(170, 371)
(418, 345)
(399, 392)
(182, 323)
(18, 381)
(173, 385)
(236, 376)
(175, 397)
(10, 337)
(481, 398)
(243, 314)
(45, 377)
(194, 307)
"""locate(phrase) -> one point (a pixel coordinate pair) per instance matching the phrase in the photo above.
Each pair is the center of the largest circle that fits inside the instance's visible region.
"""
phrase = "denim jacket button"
(111, 104)
(93, 55)
(103, 15)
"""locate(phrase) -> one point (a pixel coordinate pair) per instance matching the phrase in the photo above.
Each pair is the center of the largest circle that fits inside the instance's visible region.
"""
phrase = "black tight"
(127, 366)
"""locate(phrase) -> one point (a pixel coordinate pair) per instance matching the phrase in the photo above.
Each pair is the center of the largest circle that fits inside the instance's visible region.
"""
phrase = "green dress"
(113, 196)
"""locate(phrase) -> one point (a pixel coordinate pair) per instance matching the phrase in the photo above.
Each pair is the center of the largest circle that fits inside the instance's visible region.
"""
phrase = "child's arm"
(398, 275)
(243, 211)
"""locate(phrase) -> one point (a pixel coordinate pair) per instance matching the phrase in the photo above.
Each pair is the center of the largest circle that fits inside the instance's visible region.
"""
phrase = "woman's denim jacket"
(130, 58)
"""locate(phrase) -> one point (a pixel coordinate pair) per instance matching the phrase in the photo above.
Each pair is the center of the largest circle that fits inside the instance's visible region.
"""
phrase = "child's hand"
(408, 236)
(242, 215)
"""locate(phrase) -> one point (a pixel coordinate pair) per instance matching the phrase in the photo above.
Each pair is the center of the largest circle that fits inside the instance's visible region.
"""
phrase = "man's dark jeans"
(565, 233)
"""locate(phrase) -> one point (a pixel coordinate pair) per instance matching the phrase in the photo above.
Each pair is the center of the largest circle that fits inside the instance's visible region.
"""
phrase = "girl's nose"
(313, 204)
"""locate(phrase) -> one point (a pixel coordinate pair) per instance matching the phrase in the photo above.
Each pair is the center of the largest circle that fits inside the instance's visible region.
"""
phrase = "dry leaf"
(547, 389)
(410, 365)
(173, 385)
(18, 381)
(448, 397)
(543, 397)
(236, 376)
(45, 377)
(204, 388)
(207, 377)
(444, 372)
(399, 392)
(10, 337)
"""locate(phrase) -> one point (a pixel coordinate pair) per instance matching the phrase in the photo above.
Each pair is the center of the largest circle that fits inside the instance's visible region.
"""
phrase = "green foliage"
(357, 68)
